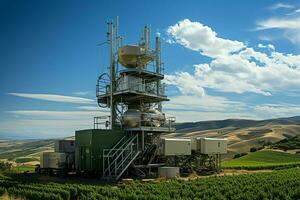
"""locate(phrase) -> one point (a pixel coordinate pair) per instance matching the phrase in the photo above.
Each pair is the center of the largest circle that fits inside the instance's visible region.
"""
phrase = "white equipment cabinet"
(175, 146)
(210, 145)
(53, 160)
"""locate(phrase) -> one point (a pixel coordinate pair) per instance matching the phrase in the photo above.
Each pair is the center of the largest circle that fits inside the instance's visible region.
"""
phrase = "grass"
(265, 159)
(25, 159)
(24, 168)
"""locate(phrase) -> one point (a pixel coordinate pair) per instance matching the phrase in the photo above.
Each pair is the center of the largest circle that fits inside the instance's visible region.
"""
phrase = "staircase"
(117, 159)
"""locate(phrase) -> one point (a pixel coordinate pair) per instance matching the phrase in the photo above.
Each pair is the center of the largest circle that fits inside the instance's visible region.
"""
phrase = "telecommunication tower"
(134, 94)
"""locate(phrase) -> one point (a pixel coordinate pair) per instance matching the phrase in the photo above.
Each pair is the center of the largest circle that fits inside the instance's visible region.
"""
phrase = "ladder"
(117, 159)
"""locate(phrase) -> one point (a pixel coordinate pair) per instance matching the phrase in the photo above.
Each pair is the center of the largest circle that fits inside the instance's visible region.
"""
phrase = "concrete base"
(168, 172)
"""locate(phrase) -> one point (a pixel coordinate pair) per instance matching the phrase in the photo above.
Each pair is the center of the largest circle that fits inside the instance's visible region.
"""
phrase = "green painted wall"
(89, 147)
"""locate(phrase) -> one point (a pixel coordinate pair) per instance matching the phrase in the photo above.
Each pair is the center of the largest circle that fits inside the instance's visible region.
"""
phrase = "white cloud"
(55, 97)
(198, 37)
(262, 46)
(203, 103)
(45, 128)
(295, 12)
(279, 23)
(276, 111)
(191, 108)
(281, 5)
(186, 83)
(90, 108)
(194, 116)
(268, 38)
(63, 115)
(288, 23)
(270, 46)
(234, 67)
(48, 123)
(51, 123)
(82, 93)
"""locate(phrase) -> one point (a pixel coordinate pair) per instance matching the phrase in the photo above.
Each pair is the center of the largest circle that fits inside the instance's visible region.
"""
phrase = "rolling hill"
(292, 143)
(24, 151)
(241, 134)
(265, 159)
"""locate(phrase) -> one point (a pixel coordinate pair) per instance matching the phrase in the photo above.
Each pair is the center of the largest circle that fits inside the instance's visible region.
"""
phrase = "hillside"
(234, 123)
(265, 159)
(24, 151)
(242, 134)
(291, 143)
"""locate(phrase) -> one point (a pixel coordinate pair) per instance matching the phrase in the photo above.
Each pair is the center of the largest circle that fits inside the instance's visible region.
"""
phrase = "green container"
(89, 145)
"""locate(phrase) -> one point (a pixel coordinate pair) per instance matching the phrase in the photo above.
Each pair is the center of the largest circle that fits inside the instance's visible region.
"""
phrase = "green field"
(24, 168)
(265, 159)
(281, 184)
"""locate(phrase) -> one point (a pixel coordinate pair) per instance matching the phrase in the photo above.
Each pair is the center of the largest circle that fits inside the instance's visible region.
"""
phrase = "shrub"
(243, 154)
(253, 149)
(283, 184)
(236, 156)
(5, 166)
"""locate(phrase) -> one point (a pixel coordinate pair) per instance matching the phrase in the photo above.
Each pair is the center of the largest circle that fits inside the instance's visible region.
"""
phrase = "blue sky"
(223, 59)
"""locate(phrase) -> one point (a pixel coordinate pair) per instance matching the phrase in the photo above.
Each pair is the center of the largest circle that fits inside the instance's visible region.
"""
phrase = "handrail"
(149, 68)
(143, 87)
(119, 147)
(118, 156)
(168, 122)
(123, 149)
(123, 161)
(102, 82)
(114, 147)
(106, 157)
(104, 120)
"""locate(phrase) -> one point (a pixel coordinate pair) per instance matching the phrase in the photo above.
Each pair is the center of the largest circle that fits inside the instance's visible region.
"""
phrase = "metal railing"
(118, 159)
(151, 67)
(165, 126)
(103, 84)
(102, 122)
(170, 121)
(148, 88)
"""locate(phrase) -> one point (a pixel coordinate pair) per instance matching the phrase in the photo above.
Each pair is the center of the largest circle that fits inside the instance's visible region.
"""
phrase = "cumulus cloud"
(186, 83)
(269, 46)
(55, 98)
(198, 37)
(234, 67)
